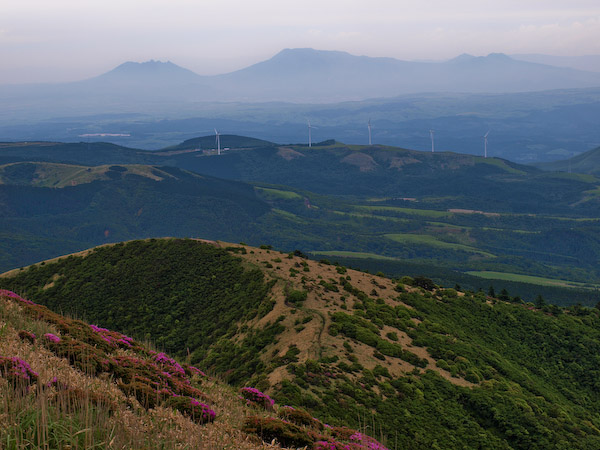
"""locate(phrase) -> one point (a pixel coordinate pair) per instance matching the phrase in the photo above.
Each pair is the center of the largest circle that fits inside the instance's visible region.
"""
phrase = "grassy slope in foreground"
(67, 384)
(428, 368)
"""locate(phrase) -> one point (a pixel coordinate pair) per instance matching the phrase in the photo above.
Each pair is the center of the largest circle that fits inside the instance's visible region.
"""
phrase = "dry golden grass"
(45, 418)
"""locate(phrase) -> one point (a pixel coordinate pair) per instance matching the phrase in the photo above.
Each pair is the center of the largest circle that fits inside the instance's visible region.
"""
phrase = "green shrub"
(296, 297)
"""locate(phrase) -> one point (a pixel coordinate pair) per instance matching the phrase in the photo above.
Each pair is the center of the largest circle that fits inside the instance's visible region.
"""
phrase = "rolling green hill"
(52, 209)
(446, 180)
(423, 367)
(227, 141)
(587, 162)
(454, 212)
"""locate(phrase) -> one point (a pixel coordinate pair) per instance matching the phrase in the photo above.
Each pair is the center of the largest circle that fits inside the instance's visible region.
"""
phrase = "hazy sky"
(65, 40)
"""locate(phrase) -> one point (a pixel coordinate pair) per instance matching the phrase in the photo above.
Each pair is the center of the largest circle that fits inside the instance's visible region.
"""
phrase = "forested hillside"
(53, 209)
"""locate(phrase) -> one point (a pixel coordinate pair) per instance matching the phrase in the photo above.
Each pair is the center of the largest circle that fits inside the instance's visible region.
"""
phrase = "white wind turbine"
(485, 144)
(431, 133)
(310, 127)
(218, 141)
(369, 126)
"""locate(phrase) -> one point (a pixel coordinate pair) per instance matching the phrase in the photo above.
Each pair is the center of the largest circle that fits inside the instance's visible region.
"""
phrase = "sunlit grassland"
(531, 279)
(407, 211)
(425, 239)
(371, 216)
(278, 193)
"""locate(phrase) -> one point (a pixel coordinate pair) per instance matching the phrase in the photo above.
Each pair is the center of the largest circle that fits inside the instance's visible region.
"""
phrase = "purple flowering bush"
(299, 417)
(85, 357)
(152, 382)
(17, 371)
(152, 378)
(112, 338)
(52, 337)
(255, 397)
(192, 408)
(169, 364)
(11, 294)
(192, 371)
(293, 434)
(366, 442)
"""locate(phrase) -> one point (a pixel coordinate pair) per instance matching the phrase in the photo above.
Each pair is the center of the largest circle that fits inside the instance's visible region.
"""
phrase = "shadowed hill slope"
(53, 208)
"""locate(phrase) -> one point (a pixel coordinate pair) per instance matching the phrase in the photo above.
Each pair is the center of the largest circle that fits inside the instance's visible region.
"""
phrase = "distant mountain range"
(589, 63)
(157, 104)
(305, 75)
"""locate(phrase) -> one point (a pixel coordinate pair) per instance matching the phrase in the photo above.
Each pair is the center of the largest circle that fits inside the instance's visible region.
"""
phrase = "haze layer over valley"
(535, 112)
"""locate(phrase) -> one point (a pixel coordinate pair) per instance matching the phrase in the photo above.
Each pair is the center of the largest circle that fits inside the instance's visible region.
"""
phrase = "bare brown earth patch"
(398, 163)
(55, 278)
(311, 338)
(365, 163)
(289, 154)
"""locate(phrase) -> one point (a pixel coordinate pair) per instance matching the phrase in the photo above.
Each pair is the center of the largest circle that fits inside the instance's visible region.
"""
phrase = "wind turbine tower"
(485, 144)
(431, 132)
(369, 125)
(218, 141)
(310, 127)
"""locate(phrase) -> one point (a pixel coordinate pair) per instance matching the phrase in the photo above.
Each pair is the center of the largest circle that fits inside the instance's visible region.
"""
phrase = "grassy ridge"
(515, 376)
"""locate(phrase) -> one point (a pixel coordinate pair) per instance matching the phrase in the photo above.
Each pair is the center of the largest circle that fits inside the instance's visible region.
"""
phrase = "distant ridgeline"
(424, 367)
(453, 180)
